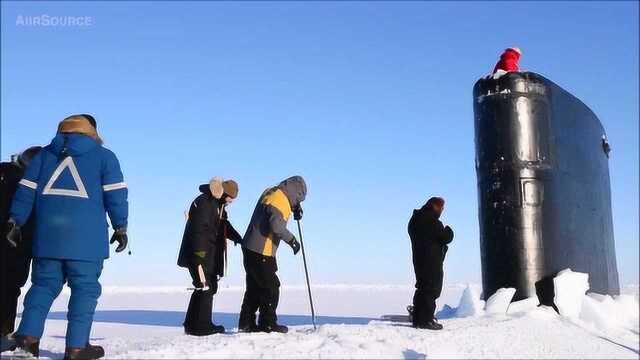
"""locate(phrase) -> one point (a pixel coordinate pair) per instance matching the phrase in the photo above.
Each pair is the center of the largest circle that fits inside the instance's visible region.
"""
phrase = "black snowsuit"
(429, 239)
(204, 243)
(14, 262)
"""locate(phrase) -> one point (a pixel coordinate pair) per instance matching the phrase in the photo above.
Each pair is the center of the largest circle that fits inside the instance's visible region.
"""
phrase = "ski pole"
(306, 273)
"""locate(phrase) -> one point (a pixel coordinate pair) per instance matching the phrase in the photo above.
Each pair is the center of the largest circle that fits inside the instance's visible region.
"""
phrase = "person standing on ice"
(16, 260)
(204, 249)
(508, 61)
(429, 240)
(69, 186)
(267, 227)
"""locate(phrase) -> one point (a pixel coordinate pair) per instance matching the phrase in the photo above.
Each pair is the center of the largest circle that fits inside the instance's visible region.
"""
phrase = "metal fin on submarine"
(544, 194)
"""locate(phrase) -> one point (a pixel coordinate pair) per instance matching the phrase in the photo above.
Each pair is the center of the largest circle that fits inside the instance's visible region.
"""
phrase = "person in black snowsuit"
(203, 252)
(429, 240)
(14, 261)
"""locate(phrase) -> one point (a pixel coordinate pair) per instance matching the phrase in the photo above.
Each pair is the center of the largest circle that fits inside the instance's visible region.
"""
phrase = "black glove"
(449, 232)
(295, 245)
(120, 235)
(14, 234)
(297, 213)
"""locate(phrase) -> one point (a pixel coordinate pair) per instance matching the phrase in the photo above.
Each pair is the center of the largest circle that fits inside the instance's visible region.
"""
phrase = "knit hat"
(78, 124)
(230, 188)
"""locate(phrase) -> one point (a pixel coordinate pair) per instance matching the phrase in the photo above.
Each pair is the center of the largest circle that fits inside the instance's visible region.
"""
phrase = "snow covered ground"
(146, 323)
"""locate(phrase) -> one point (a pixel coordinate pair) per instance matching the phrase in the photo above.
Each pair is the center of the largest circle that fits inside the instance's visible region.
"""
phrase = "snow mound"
(499, 302)
(605, 312)
(570, 289)
(522, 306)
(470, 304)
(629, 305)
(595, 313)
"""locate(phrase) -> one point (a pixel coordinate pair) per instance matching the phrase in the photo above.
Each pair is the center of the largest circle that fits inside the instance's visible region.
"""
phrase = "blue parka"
(70, 185)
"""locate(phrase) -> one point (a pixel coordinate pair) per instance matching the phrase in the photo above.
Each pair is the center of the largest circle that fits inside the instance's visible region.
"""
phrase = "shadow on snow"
(175, 318)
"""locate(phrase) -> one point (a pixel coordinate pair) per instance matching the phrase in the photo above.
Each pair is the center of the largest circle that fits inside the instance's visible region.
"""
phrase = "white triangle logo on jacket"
(81, 192)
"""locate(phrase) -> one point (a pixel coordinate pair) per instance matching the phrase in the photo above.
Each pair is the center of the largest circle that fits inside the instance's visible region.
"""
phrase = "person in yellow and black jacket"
(267, 227)
(203, 251)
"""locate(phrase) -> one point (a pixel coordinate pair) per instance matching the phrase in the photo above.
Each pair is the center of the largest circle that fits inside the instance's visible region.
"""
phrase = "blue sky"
(369, 101)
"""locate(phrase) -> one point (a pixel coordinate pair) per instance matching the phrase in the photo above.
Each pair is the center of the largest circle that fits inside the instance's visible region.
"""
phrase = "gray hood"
(295, 188)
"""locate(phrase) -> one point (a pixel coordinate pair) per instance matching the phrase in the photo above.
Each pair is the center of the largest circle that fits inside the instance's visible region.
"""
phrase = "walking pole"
(306, 273)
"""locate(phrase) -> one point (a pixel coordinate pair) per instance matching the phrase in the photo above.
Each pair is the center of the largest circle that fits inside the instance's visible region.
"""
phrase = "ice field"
(145, 322)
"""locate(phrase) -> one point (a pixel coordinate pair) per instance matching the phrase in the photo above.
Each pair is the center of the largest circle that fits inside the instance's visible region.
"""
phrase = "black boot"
(247, 321)
(205, 331)
(28, 344)
(89, 352)
(8, 343)
(429, 325)
(218, 329)
(417, 317)
(248, 328)
(274, 327)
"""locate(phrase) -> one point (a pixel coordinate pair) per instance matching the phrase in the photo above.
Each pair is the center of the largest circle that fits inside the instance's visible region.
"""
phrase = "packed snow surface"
(145, 323)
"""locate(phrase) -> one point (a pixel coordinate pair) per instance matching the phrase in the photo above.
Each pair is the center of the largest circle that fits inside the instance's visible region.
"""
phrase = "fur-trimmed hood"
(78, 124)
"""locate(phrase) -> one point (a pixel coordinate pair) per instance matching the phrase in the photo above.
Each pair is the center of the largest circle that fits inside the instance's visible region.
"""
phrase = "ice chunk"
(609, 307)
(447, 312)
(570, 289)
(525, 305)
(470, 304)
(594, 312)
(499, 302)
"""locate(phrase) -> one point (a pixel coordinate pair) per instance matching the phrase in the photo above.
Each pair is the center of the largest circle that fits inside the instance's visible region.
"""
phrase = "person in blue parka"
(69, 186)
